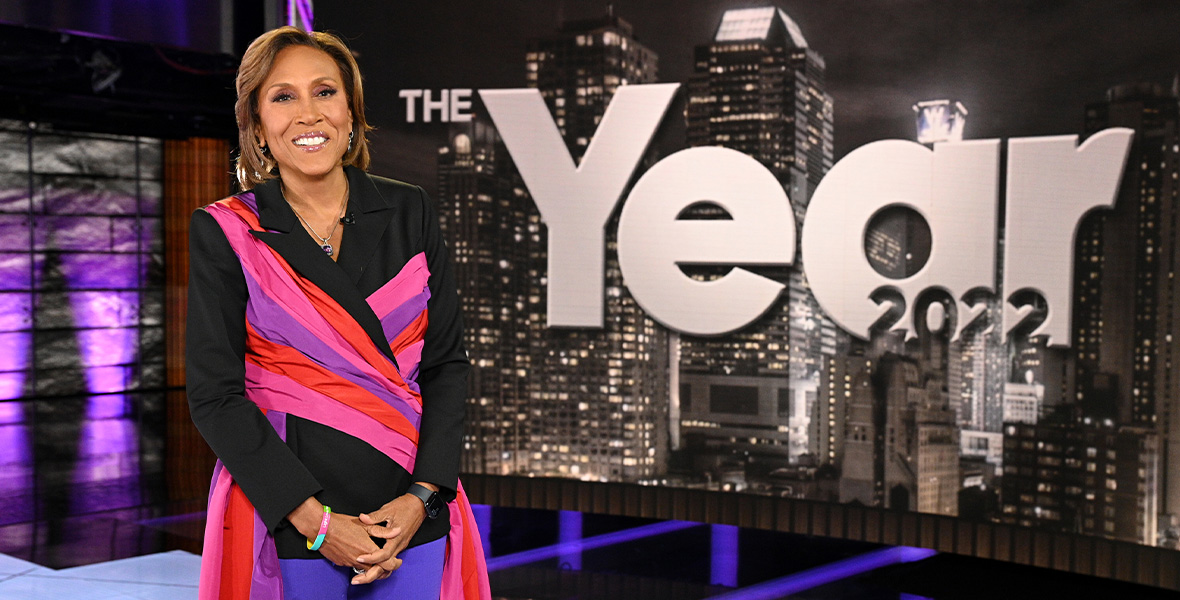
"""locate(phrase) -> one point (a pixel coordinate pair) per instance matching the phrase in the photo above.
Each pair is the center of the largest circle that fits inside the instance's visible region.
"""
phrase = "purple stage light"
(569, 532)
(16, 321)
(106, 318)
(598, 541)
(108, 452)
(14, 358)
(300, 14)
(16, 462)
(723, 566)
(11, 413)
(811, 578)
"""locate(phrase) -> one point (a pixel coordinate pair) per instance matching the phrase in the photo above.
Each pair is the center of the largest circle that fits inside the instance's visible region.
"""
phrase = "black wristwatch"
(429, 498)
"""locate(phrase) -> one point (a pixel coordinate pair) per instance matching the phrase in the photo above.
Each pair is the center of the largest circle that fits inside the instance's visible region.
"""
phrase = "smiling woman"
(334, 405)
(305, 125)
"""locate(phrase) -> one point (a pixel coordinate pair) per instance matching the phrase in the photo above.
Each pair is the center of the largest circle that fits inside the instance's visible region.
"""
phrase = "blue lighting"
(569, 532)
(811, 578)
(723, 566)
(607, 539)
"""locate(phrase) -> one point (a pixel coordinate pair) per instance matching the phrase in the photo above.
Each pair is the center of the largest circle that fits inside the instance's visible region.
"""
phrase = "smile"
(311, 141)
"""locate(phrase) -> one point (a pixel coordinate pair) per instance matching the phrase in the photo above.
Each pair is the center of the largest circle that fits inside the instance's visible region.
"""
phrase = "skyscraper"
(758, 88)
(1126, 327)
(492, 229)
(598, 399)
(1076, 477)
(901, 448)
(579, 69)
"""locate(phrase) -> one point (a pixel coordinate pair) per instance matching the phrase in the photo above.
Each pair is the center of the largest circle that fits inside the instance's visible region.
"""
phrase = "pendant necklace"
(324, 244)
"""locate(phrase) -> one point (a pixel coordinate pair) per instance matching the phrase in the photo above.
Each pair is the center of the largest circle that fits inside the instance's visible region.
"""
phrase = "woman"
(325, 364)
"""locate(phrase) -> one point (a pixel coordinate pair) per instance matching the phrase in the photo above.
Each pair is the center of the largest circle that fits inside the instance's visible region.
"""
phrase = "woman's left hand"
(396, 522)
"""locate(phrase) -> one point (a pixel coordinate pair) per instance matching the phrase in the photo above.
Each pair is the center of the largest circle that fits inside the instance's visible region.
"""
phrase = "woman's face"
(303, 113)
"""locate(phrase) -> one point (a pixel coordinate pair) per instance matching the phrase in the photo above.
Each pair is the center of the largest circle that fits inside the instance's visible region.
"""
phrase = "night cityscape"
(1072, 439)
(955, 372)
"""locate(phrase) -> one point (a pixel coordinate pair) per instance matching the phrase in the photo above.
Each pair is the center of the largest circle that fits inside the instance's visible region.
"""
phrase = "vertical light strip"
(723, 564)
(811, 578)
(569, 532)
(300, 13)
(104, 280)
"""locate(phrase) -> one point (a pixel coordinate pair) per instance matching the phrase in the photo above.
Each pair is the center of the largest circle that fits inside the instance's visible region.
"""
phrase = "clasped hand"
(396, 523)
(349, 540)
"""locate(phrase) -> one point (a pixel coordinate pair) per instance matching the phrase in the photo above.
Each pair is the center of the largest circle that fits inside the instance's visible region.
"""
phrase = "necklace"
(324, 244)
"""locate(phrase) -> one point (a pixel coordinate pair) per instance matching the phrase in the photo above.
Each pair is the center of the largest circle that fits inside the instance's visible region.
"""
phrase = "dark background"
(1021, 68)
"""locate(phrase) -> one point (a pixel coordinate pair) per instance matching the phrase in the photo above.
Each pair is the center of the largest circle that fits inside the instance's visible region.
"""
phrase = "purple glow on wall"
(15, 321)
(106, 406)
(569, 531)
(108, 451)
(723, 565)
(14, 358)
(11, 413)
(105, 354)
(15, 268)
(107, 318)
(16, 462)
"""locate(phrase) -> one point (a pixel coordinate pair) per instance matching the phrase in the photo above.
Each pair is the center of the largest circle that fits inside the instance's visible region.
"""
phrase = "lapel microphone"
(349, 219)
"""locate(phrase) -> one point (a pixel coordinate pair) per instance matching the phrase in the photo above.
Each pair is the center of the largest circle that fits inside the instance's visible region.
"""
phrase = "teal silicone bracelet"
(319, 538)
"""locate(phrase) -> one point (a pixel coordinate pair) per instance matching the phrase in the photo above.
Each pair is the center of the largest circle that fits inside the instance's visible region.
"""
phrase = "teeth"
(310, 141)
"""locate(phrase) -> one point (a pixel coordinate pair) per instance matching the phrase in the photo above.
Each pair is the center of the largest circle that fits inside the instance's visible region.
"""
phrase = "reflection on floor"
(620, 558)
(164, 576)
(88, 510)
(566, 555)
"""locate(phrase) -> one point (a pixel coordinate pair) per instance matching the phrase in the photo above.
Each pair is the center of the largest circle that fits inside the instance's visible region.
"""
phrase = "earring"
(350, 136)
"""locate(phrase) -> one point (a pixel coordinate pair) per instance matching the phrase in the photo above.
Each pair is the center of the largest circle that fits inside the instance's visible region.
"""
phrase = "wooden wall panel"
(1066, 552)
(196, 172)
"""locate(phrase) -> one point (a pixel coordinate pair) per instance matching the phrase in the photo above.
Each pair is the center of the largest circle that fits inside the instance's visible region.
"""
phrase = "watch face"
(433, 505)
(430, 500)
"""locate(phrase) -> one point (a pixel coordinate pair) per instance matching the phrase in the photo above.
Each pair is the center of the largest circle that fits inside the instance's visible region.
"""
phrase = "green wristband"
(319, 539)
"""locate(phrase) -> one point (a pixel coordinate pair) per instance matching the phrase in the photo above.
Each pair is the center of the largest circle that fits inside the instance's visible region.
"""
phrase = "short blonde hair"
(254, 166)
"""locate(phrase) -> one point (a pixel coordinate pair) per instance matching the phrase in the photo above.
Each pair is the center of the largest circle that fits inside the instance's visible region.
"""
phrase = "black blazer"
(394, 222)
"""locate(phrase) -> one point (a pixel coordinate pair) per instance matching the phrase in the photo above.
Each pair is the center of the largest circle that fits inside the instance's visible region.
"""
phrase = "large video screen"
(910, 255)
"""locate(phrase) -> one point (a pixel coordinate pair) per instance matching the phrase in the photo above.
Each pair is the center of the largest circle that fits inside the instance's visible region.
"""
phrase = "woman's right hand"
(346, 539)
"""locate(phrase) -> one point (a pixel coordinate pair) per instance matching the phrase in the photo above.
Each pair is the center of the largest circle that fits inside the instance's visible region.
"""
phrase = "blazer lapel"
(373, 215)
(285, 235)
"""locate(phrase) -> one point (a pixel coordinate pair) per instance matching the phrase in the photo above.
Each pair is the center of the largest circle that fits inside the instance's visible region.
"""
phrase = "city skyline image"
(990, 402)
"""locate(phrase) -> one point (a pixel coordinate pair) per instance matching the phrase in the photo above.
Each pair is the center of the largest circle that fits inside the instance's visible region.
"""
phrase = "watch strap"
(430, 499)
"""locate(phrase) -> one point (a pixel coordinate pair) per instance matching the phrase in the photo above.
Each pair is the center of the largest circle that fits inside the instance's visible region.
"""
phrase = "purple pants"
(419, 577)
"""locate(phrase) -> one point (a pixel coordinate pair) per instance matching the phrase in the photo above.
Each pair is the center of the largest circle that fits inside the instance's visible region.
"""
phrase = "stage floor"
(147, 554)
(87, 510)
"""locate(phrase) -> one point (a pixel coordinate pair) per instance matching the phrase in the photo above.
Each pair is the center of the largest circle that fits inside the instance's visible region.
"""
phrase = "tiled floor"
(164, 576)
